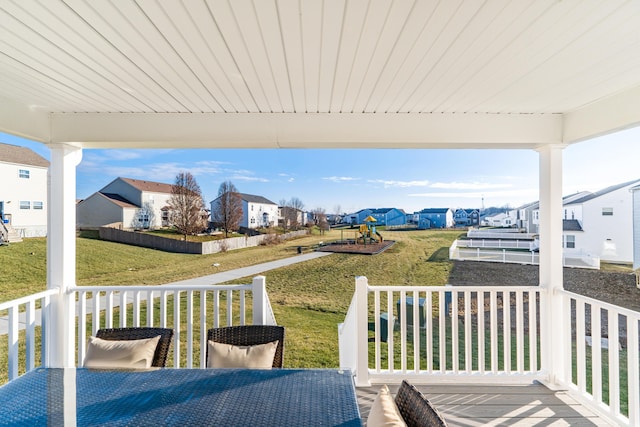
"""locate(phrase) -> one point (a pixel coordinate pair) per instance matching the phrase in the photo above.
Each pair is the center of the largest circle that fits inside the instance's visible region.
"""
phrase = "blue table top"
(221, 397)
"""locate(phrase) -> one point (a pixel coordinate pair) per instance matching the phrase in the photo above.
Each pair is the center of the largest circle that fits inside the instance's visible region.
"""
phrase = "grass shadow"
(440, 255)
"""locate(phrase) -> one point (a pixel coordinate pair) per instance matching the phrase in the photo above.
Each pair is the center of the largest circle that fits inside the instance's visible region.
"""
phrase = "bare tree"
(188, 213)
(227, 208)
(320, 218)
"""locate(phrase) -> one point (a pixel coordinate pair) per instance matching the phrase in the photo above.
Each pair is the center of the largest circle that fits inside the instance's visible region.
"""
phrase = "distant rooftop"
(21, 156)
(149, 186)
(602, 192)
(255, 199)
(571, 225)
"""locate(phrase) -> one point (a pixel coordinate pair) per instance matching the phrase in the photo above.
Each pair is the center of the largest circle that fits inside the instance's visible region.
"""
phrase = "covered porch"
(533, 75)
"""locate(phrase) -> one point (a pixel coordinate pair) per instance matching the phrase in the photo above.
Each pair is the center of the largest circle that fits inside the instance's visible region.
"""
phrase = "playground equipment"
(368, 231)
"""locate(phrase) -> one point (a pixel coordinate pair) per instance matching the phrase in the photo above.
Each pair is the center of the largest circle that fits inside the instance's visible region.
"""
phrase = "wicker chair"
(415, 409)
(162, 350)
(250, 335)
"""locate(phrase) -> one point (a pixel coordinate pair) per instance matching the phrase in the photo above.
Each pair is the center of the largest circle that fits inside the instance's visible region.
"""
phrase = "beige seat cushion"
(120, 354)
(231, 356)
(384, 411)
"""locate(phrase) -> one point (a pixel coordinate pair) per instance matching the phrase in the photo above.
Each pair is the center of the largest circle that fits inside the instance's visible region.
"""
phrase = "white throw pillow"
(384, 411)
(232, 356)
(120, 354)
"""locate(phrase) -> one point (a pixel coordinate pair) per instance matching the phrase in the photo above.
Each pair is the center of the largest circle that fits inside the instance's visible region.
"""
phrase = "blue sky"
(348, 180)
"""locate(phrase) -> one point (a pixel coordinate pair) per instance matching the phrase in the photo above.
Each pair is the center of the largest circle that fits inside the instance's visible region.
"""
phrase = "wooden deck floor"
(473, 405)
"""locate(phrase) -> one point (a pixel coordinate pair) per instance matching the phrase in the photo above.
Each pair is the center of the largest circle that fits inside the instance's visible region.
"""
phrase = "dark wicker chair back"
(159, 357)
(250, 335)
(415, 409)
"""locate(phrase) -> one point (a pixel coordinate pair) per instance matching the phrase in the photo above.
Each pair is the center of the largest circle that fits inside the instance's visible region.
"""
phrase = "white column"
(259, 300)
(553, 318)
(61, 252)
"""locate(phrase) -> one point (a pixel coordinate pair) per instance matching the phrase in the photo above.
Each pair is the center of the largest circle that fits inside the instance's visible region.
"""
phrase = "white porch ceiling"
(311, 73)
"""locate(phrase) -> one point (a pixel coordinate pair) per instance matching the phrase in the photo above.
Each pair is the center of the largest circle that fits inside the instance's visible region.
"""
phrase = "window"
(25, 204)
(607, 211)
(37, 205)
(23, 173)
(570, 241)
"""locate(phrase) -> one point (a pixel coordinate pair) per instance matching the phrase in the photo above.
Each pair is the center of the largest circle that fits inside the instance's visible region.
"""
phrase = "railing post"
(259, 292)
(362, 345)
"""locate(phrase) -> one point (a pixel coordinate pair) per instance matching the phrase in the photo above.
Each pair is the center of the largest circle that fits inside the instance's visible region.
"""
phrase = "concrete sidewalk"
(211, 279)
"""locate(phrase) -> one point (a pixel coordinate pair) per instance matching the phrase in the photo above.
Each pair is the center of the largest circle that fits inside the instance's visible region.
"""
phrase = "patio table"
(221, 397)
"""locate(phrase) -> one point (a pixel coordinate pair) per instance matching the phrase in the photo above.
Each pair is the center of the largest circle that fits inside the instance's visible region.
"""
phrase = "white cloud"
(531, 193)
(468, 185)
(291, 179)
(248, 178)
(338, 179)
(400, 184)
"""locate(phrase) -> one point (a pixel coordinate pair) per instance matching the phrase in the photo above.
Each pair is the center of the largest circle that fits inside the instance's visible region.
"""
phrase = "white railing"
(603, 349)
(499, 243)
(471, 334)
(575, 260)
(188, 310)
(21, 320)
(504, 233)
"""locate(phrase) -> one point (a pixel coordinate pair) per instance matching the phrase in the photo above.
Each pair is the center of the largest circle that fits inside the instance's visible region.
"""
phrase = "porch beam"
(61, 252)
(611, 114)
(305, 130)
(553, 318)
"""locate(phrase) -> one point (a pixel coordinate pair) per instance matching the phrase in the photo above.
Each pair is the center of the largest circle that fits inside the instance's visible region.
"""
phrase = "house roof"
(118, 200)
(403, 74)
(602, 192)
(148, 186)
(571, 225)
(435, 210)
(250, 198)
(21, 156)
(381, 210)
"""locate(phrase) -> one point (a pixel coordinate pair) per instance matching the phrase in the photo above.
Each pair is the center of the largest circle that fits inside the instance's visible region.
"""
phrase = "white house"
(23, 191)
(503, 219)
(257, 211)
(605, 220)
(134, 203)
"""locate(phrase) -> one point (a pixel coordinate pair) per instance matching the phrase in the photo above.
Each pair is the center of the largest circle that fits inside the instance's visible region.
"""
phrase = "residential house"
(257, 211)
(606, 221)
(635, 191)
(435, 218)
(503, 219)
(467, 217)
(389, 216)
(357, 217)
(289, 217)
(133, 203)
(23, 192)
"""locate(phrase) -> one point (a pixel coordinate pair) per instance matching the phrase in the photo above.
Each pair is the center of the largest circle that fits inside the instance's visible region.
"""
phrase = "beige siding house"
(133, 203)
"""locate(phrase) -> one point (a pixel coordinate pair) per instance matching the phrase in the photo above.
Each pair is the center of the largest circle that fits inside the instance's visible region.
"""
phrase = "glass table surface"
(221, 397)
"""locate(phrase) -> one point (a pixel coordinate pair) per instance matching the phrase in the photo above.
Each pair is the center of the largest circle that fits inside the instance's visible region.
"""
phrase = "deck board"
(476, 405)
